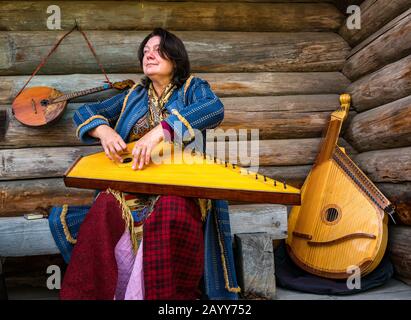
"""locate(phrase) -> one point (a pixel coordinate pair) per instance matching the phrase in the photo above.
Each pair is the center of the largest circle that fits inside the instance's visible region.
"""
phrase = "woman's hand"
(111, 141)
(143, 147)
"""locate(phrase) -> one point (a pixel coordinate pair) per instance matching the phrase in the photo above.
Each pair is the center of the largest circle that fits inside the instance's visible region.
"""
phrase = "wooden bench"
(253, 227)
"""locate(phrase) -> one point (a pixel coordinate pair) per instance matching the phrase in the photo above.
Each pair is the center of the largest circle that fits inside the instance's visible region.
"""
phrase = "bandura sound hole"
(331, 214)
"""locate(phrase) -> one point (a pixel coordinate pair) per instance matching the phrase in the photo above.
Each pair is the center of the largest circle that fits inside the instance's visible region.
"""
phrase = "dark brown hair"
(171, 48)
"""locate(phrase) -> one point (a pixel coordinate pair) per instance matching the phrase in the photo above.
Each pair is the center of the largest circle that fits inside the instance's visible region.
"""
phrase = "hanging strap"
(43, 62)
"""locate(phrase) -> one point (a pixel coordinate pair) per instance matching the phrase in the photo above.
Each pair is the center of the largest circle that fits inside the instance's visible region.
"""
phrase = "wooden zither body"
(178, 172)
(341, 224)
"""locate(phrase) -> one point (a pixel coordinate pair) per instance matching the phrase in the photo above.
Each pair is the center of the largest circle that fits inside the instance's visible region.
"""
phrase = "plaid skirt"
(173, 251)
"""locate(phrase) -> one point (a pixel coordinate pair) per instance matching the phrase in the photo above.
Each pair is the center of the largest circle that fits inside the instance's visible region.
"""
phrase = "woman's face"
(154, 66)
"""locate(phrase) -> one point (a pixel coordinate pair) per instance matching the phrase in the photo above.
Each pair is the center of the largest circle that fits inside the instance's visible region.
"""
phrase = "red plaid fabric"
(173, 251)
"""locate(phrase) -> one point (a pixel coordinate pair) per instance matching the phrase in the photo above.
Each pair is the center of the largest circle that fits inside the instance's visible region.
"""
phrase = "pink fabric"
(130, 285)
(125, 260)
(135, 287)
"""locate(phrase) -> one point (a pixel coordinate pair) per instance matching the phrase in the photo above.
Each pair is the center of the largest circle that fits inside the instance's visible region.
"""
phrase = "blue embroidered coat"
(202, 109)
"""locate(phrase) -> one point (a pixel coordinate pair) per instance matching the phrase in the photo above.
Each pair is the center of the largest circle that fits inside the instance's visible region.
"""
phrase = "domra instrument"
(39, 106)
(341, 223)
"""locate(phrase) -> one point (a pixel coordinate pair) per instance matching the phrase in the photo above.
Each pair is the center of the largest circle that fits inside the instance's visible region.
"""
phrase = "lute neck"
(81, 93)
(333, 131)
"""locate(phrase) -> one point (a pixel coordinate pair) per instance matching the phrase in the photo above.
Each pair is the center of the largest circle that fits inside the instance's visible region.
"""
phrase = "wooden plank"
(224, 84)
(38, 196)
(381, 48)
(276, 117)
(387, 126)
(385, 85)
(21, 237)
(391, 165)
(21, 52)
(374, 15)
(400, 195)
(135, 15)
(30, 163)
(256, 265)
(267, 218)
(400, 250)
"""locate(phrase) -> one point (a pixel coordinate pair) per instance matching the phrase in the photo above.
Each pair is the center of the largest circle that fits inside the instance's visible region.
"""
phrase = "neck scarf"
(156, 111)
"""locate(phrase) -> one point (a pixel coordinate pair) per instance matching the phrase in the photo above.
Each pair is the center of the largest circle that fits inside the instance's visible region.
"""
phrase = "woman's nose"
(150, 55)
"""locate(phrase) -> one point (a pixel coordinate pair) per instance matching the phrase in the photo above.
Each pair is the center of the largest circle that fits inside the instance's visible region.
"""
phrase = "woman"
(174, 254)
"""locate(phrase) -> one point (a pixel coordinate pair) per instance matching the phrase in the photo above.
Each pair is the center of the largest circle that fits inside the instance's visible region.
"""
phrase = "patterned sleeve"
(204, 111)
(91, 115)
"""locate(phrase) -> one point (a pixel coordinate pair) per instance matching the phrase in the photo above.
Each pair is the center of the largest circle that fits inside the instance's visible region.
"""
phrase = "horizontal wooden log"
(21, 237)
(281, 152)
(281, 117)
(32, 15)
(391, 165)
(385, 85)
(292, 175)
(387, 45)
(21, 52)
(400, 251)
(387, 126)
(29, 163)
(224, 84)
(400, 195)
(38, 196)
(374, 15)
(255, 260)
(39, 162)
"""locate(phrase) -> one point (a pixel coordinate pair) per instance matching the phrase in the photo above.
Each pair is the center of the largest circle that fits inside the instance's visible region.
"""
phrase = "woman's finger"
(148, 156)
(114, 153)
(142, 157)
(119, 150)
(118, 147)
(123, 145)
(136, 154)
(107, 152)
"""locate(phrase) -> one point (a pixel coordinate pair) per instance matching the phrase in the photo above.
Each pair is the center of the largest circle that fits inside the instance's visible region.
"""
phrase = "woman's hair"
(171, 48)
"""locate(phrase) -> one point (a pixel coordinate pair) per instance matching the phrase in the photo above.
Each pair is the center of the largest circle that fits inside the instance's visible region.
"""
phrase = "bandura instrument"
(179, 173)
(341, 225)
(39, 106)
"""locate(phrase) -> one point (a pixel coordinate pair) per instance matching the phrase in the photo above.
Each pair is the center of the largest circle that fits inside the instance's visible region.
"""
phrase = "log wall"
(276, 63)
(379, 66)
(278, 66)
